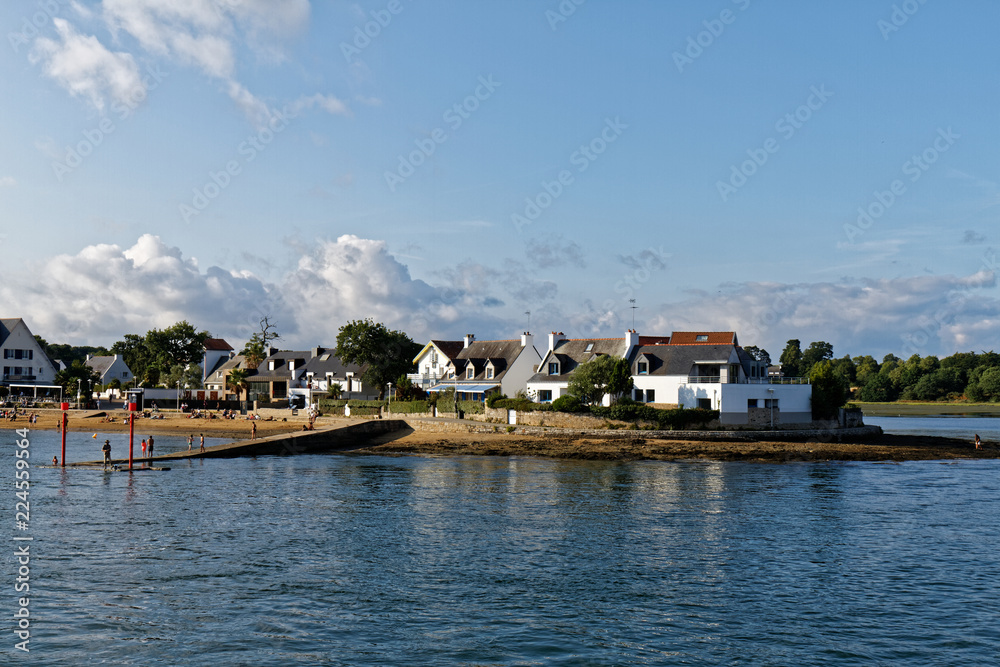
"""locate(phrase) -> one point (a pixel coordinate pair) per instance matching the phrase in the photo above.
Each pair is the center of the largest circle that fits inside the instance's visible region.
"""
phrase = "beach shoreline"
(616, 445)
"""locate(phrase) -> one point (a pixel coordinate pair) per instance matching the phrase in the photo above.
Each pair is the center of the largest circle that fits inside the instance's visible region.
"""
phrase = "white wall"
(516, 377)
(20, 338)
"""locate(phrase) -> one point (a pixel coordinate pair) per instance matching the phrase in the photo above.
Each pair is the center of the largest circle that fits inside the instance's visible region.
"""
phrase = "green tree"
(989, 383)
(78, 376)
(385, 354)
(829, 390)
(590, 380)
(188, 376)
(791, 358)
(816, 352)
(865, 368)
(878, 389)
(154, 354)
(758, 354)
(620, 381)
(237, 379)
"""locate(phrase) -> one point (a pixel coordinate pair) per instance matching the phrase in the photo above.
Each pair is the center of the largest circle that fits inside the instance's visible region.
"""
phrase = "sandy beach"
(615, 446)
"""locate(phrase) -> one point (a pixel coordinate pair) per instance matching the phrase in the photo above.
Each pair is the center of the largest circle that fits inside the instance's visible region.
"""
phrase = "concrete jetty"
(331, 439)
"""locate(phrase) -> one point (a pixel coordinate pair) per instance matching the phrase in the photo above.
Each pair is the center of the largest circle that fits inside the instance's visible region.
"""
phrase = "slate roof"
(328, 362)
(100, 364)
(501, 352)
(7, 325)
(573, 351)
(680, 359)
(450, 348)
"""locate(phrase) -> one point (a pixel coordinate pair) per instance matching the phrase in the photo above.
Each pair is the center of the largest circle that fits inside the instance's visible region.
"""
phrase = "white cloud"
(206, 35)
(86, 68)
(7, 182)
(327, 103)
(104, 292)
(920, 314)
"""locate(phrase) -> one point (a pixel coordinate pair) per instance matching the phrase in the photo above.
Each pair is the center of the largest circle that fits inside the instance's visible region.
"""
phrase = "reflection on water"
(476, 560)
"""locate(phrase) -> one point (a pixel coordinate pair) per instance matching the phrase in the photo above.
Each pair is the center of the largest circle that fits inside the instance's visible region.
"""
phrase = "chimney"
(316, 351)
(555, 338)
(526, 339)
(631, 341)
(468, 340)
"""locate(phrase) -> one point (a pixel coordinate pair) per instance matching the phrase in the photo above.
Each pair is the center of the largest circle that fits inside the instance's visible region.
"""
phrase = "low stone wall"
(821, 434)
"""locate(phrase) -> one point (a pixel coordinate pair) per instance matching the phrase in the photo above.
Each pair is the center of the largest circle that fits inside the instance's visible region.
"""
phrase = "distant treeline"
(962, 376)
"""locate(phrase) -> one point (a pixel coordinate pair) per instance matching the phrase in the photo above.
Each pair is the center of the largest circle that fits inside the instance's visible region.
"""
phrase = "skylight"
(590, 346)
(702, 338)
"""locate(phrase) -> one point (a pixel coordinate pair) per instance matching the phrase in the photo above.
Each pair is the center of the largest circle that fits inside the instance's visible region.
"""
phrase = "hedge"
(523, 404)
(678, 418)
(409, 407)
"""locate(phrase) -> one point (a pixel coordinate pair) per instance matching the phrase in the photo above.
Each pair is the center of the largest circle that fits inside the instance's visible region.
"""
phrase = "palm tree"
(237, 379)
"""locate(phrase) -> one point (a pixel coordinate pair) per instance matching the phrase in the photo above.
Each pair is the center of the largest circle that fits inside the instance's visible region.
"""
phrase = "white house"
(689, 369)
(110, 368)
(435, 362)
(217, 352)
(483, 367)
(24, 360)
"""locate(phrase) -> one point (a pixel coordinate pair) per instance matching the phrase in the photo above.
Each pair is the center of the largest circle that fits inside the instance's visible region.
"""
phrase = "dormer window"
(291, 365)
(554, 368)
(470, 373)
(270, 365)
(643, 367)
(701, 338)
(590, 347)
(489, 373)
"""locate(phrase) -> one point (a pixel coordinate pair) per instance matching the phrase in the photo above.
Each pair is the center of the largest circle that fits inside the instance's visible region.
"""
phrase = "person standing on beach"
(107, 453)
(978, 442)
(253, 431)
(149, 448)
(202, 449)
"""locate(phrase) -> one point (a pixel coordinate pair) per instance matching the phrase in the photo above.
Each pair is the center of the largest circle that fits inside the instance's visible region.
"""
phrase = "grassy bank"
(915, 409)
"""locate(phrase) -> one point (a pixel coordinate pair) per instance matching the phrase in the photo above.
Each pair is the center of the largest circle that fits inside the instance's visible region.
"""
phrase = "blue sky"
(472, 162)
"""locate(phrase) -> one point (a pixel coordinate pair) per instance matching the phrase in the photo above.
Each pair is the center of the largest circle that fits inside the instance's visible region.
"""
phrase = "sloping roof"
(7, 325)
(501, 352)
(449, 348)
(679, 359)
(100, 364)
(574, 351)
(217, 344)
(328, 362)
(239, 361)
(711, 338)
(654, 340)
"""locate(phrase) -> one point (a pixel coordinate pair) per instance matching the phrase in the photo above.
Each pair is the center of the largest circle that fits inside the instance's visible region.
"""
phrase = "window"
(470, 373)
(705, 403)
(702, 338)
(125, 374)
(554, 368)
(544, 395)
(650, 396)
(770, 402)
(751, 403)
(270, 365)
(643, 367)
(489, 373)
(590, 347)
(434, 359)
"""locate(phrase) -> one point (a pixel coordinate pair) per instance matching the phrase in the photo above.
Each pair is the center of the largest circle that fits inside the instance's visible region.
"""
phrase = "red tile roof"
(217, 344)
(712, 338)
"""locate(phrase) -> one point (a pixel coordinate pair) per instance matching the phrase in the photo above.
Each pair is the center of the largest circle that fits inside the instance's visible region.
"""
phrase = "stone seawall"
(823, 434)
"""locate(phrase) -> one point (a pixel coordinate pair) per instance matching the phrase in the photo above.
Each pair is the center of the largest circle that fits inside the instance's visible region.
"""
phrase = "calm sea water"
(950, 426)
(364, 560)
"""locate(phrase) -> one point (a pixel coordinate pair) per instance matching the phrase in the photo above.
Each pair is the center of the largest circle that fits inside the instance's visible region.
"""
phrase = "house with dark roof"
(564, 355)
(688, 369)
(286, 373)
(435, 362)
(24, 360)
(110, 368)
(482, 367)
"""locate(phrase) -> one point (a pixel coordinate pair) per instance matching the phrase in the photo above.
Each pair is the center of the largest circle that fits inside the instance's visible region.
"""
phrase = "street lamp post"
(389, 385)
(178, 396)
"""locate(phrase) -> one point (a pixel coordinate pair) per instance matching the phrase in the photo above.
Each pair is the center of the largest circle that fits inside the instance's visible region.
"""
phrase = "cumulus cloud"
(86, 68)
(104, 292)
(911, 315)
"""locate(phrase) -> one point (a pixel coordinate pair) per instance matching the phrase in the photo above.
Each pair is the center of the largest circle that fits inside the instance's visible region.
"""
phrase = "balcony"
(19, 378)
(715, 379)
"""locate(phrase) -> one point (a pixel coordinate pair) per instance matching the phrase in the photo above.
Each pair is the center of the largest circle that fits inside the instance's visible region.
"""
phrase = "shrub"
(523, 404)
(472, 407)
(568, 403)
(493, 398)
(409, 407)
